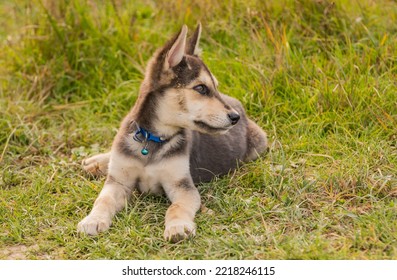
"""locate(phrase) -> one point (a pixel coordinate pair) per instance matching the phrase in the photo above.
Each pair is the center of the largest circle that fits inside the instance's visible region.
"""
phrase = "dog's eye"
(202, 89)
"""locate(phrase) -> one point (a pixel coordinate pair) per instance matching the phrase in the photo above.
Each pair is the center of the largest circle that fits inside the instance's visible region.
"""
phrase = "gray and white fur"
(203, 134)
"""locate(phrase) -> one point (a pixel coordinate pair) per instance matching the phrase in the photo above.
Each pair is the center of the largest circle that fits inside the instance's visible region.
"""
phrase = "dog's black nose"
(234, 117)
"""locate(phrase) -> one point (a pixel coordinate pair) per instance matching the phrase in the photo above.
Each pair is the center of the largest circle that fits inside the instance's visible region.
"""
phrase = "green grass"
(320, 78)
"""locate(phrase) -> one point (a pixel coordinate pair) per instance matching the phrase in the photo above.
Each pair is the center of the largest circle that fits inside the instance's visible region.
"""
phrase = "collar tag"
(147, 137)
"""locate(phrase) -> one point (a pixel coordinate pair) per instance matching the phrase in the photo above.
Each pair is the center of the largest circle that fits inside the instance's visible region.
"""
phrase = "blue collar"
(147, 136)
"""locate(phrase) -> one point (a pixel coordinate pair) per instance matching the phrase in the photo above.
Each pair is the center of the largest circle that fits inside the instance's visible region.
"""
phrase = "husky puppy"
(180, 132)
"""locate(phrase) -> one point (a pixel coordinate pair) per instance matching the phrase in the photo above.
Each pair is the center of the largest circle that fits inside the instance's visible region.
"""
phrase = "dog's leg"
(111, 199)
(97, 165)
(179, 218)
(256, 141)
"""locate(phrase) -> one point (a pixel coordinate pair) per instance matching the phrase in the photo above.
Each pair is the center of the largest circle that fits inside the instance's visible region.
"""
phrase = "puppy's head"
(185, 89)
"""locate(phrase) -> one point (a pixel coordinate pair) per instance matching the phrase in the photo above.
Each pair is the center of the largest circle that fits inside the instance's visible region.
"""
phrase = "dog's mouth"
(211, 129)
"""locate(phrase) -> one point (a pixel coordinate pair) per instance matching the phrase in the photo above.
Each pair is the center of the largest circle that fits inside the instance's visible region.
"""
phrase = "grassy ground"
(320, 78)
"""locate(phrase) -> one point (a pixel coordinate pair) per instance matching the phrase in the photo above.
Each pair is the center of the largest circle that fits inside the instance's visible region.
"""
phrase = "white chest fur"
(150, 178)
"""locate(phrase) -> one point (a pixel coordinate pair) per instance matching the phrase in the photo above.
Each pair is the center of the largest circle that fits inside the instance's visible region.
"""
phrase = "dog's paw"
(96, 165)
(92, 225)
(178, 230)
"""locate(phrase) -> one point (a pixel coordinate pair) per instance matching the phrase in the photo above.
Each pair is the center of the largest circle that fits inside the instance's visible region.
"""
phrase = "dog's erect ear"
(193, 43)
(175, 54)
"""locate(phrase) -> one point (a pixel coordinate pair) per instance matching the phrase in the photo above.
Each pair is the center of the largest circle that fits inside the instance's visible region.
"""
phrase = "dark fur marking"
(124, 147)
(137, 184)
(159, 187)
(185, 73)
(147, 112)
(185, 184)
(179, 148)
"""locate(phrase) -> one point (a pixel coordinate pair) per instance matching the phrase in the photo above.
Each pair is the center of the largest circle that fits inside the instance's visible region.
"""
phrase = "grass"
(318, 76)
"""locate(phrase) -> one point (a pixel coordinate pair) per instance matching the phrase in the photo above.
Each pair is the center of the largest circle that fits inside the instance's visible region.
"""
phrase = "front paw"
(96, 165)
(177, 230)
(92, 224)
